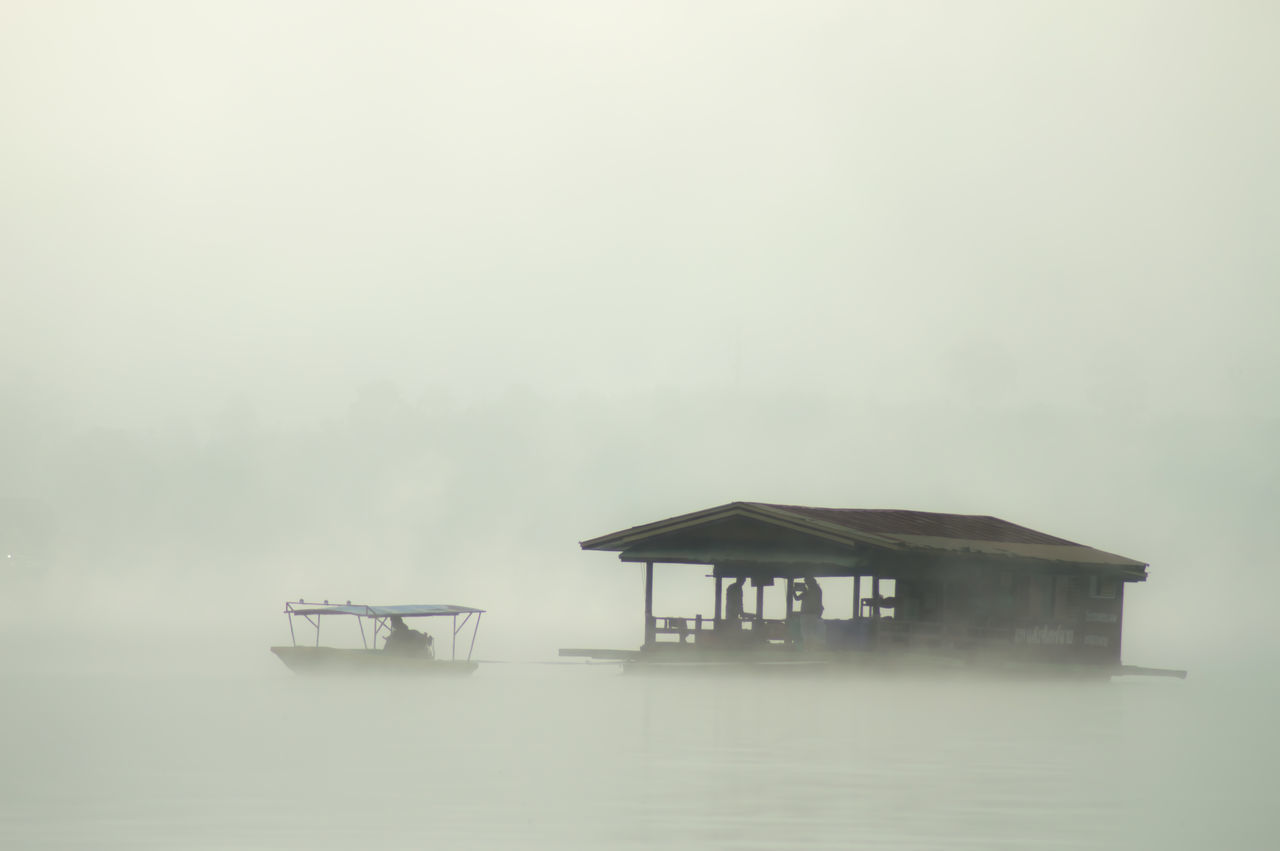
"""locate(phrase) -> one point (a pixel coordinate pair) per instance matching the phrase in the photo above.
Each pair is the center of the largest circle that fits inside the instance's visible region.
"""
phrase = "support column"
(857, 596)
(719, 597)
(790, 589)
(875, 611)
(649, 625)
(1119, 618)
(759, 606)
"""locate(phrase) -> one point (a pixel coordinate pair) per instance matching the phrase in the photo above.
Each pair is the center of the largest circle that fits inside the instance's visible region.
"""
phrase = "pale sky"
(1024, 203)
(506, 276)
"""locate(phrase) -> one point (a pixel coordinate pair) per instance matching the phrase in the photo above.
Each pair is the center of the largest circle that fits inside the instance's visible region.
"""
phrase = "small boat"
(403, 650)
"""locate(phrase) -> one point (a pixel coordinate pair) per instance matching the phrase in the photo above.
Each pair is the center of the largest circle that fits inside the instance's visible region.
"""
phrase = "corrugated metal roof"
(896, 522)
(893, 529)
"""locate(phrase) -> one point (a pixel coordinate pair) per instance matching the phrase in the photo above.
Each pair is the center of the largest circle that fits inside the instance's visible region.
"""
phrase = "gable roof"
(887, 529)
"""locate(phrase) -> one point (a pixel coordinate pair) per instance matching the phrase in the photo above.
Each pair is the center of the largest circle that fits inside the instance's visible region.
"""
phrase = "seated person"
(406, 641)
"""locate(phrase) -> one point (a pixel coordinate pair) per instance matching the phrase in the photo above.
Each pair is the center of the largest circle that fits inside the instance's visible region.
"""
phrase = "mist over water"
(580, 757)
(396, 303)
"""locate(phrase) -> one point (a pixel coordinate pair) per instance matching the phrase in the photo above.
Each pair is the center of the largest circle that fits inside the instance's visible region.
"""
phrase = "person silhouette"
(809, 593)
(403, 639)
(733, 603)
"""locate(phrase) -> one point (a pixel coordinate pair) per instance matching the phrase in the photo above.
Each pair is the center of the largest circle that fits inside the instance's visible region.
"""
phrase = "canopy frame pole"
(363, 642)
(474, 630)
(453, 643)
(292, 636)
(461, 626)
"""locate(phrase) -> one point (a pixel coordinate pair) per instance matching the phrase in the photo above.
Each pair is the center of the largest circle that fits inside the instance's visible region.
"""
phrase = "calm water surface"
(525, 756)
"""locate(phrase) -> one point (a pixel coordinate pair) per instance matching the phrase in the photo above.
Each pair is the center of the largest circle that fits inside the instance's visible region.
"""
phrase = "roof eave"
(616, 541)
(619, 541)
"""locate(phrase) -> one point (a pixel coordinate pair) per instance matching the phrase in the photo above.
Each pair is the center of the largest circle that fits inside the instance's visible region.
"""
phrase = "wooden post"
(719, 597)
(786, 617)
(759, 607)
(857, 596)
(1119, 617)
(649, 633)
(875, 611)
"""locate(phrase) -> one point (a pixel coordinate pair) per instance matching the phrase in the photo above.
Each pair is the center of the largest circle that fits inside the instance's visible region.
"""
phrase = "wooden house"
(951, 585)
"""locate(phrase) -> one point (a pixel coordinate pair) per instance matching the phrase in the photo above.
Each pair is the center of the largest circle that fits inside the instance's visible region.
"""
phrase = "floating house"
(950, 586)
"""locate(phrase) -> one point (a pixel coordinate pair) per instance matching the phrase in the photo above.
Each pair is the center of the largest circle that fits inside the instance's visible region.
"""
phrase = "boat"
(403, 650)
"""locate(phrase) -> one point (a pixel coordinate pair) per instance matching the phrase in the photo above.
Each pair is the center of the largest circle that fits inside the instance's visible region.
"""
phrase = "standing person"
(733, 604)
(809, 593)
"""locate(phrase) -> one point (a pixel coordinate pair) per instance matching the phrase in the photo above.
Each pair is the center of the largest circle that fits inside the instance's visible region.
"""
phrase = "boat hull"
(334, 660)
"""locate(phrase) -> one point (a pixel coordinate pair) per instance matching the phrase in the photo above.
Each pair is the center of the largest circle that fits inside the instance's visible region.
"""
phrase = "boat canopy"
(419, 610)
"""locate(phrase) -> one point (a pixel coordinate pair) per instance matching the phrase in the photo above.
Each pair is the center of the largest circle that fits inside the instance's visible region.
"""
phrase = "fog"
(399, 302)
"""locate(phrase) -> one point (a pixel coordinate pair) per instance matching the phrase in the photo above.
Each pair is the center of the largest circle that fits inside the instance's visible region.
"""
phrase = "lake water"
(550, 756)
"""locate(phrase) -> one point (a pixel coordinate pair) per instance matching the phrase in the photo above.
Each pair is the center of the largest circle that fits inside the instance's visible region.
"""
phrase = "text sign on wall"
(1046, 635)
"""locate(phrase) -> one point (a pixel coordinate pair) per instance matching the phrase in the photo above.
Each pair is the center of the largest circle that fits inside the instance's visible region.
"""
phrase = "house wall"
(1101, 619)
(1044, 615)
